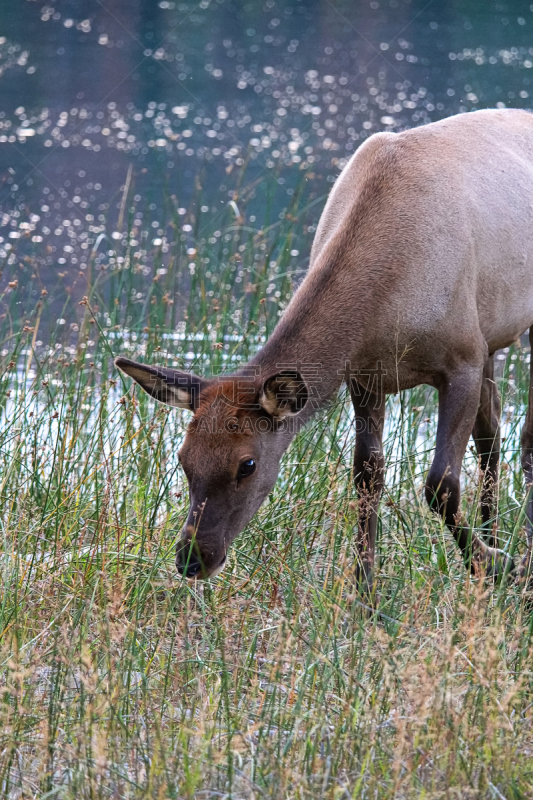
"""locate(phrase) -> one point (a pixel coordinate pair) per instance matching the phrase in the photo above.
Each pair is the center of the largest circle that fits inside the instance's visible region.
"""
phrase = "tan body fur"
(424, 251)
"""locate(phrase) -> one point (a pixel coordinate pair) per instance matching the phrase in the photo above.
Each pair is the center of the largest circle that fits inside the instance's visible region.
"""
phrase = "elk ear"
(284, 394)
(180, 389)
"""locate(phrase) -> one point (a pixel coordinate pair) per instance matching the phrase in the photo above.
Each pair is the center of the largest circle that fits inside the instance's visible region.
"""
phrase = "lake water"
(173, 95)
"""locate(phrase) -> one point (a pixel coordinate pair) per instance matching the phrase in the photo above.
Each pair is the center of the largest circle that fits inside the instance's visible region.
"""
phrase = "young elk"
(421, 268)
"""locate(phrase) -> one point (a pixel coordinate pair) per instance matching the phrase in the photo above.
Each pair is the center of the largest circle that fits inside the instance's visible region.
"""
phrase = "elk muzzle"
(194, 562)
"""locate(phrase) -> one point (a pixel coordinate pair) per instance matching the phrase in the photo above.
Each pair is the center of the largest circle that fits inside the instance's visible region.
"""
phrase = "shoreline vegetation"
(118, 678)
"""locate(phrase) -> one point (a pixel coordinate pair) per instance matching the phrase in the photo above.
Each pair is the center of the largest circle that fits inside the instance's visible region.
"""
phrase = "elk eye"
(246, 468)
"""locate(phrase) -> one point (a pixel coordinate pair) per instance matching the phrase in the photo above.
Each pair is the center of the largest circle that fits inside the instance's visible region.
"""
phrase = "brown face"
(229, 475)
(230, 455)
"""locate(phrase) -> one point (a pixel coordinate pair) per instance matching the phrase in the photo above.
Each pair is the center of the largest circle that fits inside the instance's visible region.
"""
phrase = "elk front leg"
(459, 398)
(368, 473)
(486, 434)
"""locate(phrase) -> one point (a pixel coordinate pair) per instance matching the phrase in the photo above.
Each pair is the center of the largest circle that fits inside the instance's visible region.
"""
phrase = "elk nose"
(187, 562)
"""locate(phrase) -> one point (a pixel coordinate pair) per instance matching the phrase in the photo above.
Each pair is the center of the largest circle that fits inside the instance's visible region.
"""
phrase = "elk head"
(231, 453)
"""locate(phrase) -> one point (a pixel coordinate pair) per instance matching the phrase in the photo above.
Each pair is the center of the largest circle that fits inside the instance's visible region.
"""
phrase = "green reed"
(118, 678)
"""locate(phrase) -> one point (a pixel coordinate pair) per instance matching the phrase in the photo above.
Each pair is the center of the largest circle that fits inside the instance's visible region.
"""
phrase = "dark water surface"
(175, 98)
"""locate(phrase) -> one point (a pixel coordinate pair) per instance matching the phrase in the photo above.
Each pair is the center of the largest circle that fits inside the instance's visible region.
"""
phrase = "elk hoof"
(365, 581)
(524, 575)
(494, 564)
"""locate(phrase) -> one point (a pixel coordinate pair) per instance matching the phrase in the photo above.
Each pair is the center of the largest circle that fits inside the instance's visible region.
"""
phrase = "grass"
(117, 678)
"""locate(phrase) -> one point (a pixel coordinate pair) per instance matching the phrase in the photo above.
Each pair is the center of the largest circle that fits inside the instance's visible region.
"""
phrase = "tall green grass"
(118, 678)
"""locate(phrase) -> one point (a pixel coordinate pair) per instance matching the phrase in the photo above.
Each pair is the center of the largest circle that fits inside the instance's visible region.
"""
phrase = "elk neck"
(320, 331)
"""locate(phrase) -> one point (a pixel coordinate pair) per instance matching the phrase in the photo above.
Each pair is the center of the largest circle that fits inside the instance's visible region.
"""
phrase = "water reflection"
(181, 89)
